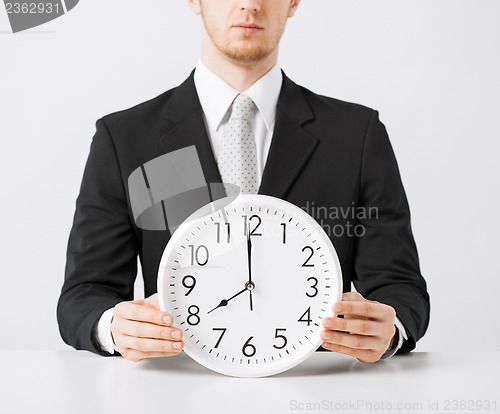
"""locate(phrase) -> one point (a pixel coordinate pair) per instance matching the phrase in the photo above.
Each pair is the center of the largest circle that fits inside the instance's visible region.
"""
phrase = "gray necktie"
(237, 158)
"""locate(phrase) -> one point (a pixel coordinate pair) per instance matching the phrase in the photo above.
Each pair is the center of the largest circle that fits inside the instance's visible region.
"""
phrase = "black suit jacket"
(324, 152)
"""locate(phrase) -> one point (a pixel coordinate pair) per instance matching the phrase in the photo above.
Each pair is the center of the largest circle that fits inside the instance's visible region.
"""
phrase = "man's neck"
(239, 76)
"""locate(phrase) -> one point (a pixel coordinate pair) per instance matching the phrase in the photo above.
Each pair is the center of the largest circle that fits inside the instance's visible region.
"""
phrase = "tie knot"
(242, 108)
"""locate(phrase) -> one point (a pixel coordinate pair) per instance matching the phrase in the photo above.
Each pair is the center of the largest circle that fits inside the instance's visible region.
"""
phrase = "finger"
(361, 354)
(136, 356)
(351, 341)
(367, 309)
(148, 330)
(137, 312)
(148, 345)
(356, 326)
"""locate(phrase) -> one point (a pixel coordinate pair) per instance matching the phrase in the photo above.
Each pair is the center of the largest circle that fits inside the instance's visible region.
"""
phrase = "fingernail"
(325, 335)
(167, 320)
(328, 323)
(177, 345)
(176, 334)
(337, 307)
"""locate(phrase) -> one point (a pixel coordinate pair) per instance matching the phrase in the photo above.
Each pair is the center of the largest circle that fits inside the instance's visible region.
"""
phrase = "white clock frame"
(329, 287)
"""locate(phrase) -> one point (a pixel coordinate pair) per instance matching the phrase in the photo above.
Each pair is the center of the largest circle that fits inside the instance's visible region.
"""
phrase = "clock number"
(191, 284)
(228, 225)
(259, 222)
(307, 314)
(193, 318)
(280, 336)
(284, 232)
(221, 335)
(248, 349)
(306, 264)
(195, 254)
(313, 287)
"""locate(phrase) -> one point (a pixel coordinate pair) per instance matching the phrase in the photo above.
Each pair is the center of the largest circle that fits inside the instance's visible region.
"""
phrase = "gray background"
(430, 67)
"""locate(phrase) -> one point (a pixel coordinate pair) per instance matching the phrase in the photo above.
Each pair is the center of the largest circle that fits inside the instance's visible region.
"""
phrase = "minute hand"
(249, 250)
(249, 285)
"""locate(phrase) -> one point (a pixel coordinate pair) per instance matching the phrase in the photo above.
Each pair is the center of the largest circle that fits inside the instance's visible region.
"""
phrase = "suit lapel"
(291, 145)
(186, 127)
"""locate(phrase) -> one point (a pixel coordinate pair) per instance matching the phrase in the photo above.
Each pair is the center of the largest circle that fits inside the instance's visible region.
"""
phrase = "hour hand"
(224, 302)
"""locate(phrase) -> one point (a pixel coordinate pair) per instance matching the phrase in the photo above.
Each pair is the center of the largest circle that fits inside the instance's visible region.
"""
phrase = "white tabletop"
(73, 382)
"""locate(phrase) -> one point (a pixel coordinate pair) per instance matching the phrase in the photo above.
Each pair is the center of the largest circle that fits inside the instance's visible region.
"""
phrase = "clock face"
(249, 284)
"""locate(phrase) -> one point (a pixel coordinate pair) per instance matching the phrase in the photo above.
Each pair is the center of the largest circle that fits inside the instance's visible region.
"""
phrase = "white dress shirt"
(216, 98)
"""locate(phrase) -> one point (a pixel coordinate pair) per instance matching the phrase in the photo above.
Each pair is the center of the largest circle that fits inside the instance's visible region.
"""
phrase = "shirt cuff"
(402, 336)
(102, 332)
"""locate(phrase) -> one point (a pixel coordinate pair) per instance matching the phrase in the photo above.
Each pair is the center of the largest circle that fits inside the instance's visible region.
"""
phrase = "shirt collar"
(216, 96)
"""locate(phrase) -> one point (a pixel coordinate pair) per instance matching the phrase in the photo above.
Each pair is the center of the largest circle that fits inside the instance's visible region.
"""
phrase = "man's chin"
(246, 54)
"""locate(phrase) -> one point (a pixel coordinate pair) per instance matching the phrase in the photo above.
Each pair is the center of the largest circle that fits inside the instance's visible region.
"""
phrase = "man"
(307, 149)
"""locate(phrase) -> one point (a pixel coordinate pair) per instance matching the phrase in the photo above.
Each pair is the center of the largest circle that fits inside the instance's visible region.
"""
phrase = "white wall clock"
(249, 283)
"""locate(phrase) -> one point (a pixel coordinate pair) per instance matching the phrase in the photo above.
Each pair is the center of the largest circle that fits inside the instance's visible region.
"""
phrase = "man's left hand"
(366, 330)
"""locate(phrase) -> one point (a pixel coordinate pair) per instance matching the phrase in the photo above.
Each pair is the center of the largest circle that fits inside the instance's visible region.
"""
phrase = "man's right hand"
(141, 330)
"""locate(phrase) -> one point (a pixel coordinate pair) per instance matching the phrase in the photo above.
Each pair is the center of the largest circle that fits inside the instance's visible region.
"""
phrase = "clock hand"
(250, 286)
(249, 255)
(224, 302)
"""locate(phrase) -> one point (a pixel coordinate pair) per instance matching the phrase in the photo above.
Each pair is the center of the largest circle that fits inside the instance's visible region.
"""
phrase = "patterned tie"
(237, 154)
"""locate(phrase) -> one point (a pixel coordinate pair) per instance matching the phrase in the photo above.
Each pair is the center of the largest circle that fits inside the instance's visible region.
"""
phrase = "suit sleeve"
(386, 259)
(101, 264)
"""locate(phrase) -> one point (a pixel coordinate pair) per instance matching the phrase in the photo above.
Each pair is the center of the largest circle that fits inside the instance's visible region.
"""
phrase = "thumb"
(352, 296)
(152, 301)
